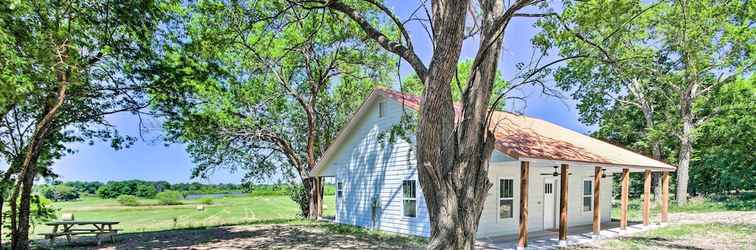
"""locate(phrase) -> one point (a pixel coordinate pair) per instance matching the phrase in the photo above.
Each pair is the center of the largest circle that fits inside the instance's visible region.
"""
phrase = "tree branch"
(384, 41)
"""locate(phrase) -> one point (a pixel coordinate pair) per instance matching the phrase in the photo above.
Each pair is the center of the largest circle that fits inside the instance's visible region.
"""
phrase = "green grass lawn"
(153, 217)
(688, 236)
(743, 202)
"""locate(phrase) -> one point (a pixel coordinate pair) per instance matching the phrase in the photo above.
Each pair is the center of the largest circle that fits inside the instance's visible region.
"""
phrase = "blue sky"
(149, 159)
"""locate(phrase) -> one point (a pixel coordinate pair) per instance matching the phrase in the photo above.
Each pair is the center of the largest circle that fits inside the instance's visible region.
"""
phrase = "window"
(409, 199)
(506, 198)
(587, 195)
(381, 109)
(339, 189)
(548, 188)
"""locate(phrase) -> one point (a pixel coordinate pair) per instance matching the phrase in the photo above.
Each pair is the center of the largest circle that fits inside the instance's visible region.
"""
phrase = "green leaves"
(662, 62)
(242, 83)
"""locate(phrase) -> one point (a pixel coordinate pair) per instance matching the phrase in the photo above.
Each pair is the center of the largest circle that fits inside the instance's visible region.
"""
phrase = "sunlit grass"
(153, 217)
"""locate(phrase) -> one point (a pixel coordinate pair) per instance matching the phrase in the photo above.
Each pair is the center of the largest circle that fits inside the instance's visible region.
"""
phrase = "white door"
(548, 203)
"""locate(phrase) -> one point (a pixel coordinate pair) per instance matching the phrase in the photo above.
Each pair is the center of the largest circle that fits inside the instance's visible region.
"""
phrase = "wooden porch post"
(624, 197)
(597, 200)
(563, 183)
(665, 197)
(522, 237)
(646, 197)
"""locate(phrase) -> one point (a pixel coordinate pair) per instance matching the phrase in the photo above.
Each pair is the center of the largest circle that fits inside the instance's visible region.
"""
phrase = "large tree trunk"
(316, 197)
(686, 148)
(453, 162)
(436, 136)
(20, 238)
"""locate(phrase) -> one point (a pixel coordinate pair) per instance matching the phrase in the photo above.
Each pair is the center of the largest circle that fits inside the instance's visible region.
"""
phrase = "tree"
(452, 157)
(707, 44)
(611, 42)
(73, 62)
(724, 160)
(59, 193)
(263, 88)
(674, 56)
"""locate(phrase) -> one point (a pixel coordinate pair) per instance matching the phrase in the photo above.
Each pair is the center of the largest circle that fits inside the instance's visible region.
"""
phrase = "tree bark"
(20, 229)
(686, 147)
(316, 197)
(683, 165)
(648, 115)
(451, 218)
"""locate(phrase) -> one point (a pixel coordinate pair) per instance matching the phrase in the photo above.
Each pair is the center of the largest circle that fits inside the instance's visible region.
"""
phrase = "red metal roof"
(520, 136)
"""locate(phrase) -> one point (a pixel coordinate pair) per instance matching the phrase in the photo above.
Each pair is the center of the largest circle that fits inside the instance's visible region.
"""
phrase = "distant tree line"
(140, 188)
(72, 190)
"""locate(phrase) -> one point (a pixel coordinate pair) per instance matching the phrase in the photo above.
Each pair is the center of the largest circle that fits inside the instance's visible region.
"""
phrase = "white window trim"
(499, 199)
(583, 195)
(381, 109)
(410, 199)
(340, 188)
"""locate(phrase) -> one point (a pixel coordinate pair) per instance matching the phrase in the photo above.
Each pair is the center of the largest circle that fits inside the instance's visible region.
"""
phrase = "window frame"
(381, 109)
(500, 198)
(404, 198)
(583, 195)
(339, 190)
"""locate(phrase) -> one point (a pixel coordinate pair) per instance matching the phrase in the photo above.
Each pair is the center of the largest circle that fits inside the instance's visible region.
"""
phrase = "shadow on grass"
(278, 234)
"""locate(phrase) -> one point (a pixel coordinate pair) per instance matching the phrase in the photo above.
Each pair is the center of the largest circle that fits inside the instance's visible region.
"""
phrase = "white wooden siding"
(369, 168)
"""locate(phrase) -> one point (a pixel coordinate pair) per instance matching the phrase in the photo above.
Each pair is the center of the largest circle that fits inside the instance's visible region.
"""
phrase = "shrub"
(299, 194)
(128, 200)
(60, 193)
(146, 190)
(169, 197)
(113, 189)
(206, 201)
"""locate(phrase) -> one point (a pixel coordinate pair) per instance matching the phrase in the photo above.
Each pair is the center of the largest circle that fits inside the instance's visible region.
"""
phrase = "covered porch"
(549, 239)
(569, 235)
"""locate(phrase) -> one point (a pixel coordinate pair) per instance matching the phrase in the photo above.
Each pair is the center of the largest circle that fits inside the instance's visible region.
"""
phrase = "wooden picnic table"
(100, 229)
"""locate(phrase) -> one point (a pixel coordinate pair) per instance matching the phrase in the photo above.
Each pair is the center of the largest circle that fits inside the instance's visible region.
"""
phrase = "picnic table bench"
(100, 229)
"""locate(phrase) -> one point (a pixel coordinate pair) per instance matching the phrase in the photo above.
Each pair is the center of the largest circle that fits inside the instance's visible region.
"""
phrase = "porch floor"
(550, 239)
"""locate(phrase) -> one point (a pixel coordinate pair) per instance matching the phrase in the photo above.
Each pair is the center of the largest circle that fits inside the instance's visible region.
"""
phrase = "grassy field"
(152, 217)
(688, 236)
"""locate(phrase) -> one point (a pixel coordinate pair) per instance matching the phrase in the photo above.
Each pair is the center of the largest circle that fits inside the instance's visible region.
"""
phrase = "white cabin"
(377, 182)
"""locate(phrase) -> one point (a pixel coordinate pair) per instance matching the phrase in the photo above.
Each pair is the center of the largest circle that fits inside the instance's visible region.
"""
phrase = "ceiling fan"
(556, 172)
